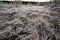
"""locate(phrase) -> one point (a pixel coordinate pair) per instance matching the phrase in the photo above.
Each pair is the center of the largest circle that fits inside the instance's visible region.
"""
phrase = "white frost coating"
(28, 23)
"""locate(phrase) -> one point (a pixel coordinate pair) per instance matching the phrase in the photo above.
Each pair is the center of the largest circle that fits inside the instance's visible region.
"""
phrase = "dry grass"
(29, 23)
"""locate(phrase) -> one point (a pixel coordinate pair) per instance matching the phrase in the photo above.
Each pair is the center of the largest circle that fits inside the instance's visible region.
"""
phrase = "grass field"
(29, 22)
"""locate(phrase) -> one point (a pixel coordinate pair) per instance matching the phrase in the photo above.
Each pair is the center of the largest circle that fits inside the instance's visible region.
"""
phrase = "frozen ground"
(28, 22)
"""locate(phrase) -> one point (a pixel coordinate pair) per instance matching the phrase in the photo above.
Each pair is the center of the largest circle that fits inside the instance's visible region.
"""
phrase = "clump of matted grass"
(29, 23)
